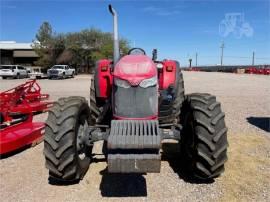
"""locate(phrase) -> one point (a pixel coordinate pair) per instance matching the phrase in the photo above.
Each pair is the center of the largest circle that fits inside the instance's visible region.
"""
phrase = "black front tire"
(67, 158)
(204, 140)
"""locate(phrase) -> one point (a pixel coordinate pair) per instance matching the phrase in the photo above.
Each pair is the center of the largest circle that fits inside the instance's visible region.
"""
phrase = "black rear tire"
(67, 158)
(204, 140)
(168, 112)
(100, 109)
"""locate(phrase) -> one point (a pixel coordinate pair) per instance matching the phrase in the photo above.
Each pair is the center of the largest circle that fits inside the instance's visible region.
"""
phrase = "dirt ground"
(246, 102)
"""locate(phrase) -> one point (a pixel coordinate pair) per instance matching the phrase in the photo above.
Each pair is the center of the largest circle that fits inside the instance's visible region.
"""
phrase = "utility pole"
(221, 58)
(196, 58)
(253, 58)
(190, 62)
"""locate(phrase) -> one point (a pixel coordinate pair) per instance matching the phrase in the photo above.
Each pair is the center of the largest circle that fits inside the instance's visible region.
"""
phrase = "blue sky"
(178, 29)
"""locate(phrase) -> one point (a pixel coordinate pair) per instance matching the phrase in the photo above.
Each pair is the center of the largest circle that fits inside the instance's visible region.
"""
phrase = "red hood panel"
(135, 68)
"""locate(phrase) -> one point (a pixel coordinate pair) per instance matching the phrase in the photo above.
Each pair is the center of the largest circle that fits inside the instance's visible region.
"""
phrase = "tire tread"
(59, 145)
(210, 136)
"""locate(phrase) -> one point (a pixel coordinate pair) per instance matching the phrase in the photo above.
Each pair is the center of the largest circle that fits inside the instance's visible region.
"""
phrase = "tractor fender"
(169, 74)
(103, 79)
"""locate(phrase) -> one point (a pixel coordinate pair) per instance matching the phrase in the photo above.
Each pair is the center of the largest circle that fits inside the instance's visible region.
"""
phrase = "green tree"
(79, 49)
(58, 47)
(43, 44)
(44, 34)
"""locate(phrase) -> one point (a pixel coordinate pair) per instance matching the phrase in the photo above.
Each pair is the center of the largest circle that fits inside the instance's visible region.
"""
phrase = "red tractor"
(136, 102)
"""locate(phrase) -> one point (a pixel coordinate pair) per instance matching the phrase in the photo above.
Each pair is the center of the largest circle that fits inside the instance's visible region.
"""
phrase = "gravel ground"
(245, 100)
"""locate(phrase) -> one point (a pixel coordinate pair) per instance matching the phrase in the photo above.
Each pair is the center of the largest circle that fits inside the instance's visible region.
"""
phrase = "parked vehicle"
(13, 71)
(37, 74)
(28, 69)
(60, 71)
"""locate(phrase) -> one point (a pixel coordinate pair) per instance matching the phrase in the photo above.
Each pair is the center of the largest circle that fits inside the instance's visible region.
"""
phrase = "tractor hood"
(135, 68)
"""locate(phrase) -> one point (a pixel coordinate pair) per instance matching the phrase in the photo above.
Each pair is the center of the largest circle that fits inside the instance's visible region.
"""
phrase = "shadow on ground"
(134, 185)
(57, 182)
(171, 153)
(15, 152)
(260, 122)
(122, 185)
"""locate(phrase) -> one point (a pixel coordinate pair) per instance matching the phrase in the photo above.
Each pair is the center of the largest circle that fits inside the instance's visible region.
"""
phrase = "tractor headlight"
(121, 83)
(149, 82)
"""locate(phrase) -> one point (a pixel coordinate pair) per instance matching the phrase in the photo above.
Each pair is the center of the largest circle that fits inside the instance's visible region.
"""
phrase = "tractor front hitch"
(133, 146)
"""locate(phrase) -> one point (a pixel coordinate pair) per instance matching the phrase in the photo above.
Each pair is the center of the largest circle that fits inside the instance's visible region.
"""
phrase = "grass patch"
(248, 168)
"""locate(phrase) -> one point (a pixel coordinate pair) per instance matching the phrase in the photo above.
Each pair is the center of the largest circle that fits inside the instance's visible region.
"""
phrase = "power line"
(242, 57)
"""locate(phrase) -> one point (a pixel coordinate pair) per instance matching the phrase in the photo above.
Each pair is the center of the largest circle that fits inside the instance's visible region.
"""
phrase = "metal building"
(17, 53)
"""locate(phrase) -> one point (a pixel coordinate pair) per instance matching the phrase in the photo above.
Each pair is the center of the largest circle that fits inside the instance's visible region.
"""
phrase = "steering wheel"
(136, 51)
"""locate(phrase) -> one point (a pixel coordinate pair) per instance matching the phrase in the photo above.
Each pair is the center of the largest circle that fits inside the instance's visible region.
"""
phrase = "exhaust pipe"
(116, 50)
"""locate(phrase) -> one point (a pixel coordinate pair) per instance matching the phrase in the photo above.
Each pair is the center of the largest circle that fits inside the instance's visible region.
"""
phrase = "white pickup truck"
(60, 71)
(36, 73)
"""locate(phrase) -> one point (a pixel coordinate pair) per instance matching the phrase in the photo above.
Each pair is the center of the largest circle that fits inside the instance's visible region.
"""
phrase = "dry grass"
(247, 175)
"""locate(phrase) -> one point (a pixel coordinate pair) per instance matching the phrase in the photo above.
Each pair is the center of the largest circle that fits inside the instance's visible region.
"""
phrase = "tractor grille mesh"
(135, 102)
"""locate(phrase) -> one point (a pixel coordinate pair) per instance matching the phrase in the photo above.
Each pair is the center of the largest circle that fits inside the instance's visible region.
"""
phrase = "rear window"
(7, 67)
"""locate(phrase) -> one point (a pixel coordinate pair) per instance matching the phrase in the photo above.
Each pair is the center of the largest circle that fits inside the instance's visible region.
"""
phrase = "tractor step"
(133, 146)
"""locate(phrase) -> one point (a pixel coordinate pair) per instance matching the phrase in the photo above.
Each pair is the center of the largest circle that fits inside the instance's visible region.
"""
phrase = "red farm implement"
(17, 108)
(254, 70)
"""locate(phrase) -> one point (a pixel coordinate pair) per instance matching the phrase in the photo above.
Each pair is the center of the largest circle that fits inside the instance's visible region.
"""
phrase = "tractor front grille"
(135, 102)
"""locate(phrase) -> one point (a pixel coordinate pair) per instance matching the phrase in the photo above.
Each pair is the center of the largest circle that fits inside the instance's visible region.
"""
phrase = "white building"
(17, 53)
